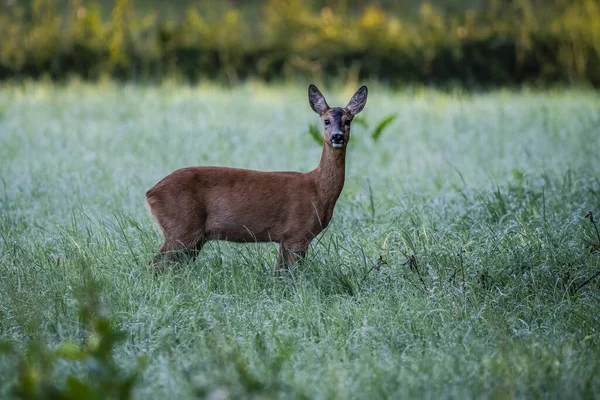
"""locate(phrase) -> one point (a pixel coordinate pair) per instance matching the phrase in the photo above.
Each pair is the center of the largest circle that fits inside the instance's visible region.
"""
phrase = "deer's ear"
(317, 100)
(358, 101)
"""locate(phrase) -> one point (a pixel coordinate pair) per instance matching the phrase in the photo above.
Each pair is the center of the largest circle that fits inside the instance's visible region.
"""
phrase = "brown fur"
(196, 204)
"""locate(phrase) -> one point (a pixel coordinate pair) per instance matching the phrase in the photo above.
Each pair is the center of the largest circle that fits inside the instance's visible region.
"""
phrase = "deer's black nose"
(337, 138)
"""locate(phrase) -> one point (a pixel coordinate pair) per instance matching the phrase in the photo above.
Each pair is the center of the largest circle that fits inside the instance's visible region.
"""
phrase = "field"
(456, 264)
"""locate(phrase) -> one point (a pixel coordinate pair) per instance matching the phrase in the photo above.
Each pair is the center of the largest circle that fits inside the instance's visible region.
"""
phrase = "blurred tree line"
(471, 42)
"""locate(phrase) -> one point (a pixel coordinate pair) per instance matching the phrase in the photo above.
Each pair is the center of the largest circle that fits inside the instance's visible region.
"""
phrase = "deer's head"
(336, 120)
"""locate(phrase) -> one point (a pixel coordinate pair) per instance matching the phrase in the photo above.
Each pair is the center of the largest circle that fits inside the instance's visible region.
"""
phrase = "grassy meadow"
(456, 264)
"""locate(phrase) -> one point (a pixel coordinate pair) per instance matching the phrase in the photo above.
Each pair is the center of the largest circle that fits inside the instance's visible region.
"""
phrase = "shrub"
(498, 45)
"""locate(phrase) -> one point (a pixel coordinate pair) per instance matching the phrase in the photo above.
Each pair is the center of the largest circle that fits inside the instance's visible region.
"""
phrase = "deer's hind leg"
(172, 252)
(182, 223)
(179, 246)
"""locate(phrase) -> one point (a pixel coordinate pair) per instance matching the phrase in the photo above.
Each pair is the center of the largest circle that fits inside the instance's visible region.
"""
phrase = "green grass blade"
(360, 121)
(313, 130)
(376, 134)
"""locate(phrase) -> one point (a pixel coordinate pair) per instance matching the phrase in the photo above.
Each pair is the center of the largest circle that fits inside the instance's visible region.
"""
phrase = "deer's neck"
(330, 175)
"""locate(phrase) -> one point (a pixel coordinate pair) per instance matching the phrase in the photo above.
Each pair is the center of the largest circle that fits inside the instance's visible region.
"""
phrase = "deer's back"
(237, 204)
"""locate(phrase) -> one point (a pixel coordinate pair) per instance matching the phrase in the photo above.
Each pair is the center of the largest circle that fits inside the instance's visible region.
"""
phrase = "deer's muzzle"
(337, 140)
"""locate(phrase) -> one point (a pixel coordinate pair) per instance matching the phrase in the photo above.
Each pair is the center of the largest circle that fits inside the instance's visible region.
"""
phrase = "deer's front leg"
(289, 253)
(279, 260)
(293, 256)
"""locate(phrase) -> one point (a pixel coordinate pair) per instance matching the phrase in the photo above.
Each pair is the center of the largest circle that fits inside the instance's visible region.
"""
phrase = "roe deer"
(196, 204)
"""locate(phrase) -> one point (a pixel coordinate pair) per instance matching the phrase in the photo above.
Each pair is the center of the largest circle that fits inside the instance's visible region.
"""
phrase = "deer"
(194, 205)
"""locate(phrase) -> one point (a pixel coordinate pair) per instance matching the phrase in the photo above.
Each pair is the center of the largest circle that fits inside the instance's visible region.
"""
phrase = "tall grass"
(453, 266)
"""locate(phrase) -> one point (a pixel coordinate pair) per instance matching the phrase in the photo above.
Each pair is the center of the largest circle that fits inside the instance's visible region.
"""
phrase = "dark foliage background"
(478, 42)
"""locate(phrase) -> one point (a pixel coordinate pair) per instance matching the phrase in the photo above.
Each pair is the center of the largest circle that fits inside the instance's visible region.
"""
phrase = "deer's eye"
(347, 122)
(327, 122)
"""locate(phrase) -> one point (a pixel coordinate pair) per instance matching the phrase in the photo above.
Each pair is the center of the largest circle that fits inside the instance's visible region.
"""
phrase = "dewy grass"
(486, 193)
